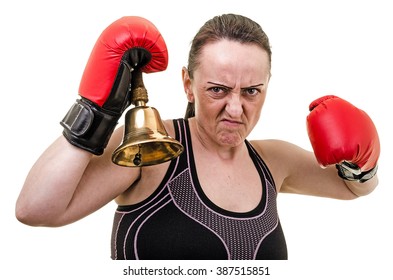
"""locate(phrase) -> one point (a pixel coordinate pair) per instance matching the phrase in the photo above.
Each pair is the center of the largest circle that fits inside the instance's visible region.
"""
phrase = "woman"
(218, 199)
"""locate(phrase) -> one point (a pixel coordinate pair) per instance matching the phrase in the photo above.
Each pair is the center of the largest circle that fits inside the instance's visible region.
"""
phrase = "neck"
(208, 147)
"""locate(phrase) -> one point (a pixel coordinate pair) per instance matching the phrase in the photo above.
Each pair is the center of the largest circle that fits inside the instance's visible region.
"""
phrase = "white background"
(319, 47)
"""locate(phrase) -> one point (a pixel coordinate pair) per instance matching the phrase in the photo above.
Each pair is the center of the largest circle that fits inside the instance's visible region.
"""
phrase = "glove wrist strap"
(351, 172)
(88, 126)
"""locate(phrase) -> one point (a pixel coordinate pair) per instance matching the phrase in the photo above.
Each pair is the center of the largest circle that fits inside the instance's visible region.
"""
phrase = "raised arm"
(75, 175)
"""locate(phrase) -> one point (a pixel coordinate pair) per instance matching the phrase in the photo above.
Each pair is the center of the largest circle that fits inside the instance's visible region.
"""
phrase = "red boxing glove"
(133, 41)
(344, 135)
(128, 44)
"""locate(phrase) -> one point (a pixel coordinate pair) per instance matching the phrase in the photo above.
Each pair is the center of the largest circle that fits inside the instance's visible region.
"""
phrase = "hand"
(343, 135)
(128, 44)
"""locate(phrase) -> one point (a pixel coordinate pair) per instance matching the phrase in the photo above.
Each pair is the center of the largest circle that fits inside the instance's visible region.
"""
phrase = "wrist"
(88, 126)
(351, 172)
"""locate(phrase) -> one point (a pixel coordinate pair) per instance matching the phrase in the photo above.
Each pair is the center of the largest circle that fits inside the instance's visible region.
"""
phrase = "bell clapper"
(138, 157)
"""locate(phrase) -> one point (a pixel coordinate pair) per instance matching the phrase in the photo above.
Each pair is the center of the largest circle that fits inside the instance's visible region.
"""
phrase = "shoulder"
(283, 158)
(273, 148)
(279, 151)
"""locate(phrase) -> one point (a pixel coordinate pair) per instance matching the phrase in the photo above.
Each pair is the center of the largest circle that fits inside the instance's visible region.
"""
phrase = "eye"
(218, 91)
(251, 91)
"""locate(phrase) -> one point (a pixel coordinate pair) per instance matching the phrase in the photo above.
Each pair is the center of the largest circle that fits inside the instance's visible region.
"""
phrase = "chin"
(231, 141)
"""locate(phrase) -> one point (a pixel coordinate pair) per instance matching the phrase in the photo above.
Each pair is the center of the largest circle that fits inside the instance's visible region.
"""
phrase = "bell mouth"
(148, 152)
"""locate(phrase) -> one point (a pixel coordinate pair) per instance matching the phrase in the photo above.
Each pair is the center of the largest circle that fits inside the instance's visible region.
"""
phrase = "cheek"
(253, 111)
(203, 109)
(205, 104)
(212, 109)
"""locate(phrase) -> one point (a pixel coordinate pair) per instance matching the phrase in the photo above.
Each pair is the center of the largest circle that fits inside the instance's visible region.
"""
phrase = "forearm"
(51, 183)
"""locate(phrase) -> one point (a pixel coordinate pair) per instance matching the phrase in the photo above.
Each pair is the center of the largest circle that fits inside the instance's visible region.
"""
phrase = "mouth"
(231, 122)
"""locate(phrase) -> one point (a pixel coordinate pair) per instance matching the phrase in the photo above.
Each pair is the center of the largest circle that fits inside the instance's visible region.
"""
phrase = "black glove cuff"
(351, 172)
(88, 126)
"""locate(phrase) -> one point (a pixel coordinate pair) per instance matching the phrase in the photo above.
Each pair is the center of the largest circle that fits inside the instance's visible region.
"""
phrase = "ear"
(187, 85)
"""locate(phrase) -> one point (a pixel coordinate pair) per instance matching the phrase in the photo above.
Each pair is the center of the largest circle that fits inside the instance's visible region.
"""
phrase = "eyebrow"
(252, 86)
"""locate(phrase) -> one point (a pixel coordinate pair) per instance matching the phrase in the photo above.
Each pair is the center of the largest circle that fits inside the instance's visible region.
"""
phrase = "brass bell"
(145, 141)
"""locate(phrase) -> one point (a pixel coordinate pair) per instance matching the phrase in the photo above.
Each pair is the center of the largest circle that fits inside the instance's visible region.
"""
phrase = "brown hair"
(228, 26)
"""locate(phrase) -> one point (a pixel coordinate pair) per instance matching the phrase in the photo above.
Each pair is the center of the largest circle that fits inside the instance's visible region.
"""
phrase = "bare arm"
(296, 170)
(67, 183)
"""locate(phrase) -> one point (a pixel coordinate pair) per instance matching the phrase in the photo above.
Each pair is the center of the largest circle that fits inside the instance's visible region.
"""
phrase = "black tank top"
(179, 222)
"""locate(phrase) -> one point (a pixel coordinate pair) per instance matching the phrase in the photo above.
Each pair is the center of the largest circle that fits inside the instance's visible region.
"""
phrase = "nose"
(234, 106)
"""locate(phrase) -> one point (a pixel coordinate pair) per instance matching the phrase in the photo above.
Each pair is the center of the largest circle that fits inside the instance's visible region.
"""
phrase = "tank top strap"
(182, 131)
(182, 134)
(260, 163)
